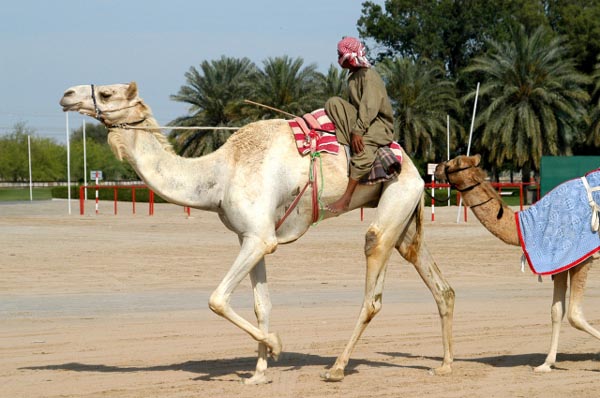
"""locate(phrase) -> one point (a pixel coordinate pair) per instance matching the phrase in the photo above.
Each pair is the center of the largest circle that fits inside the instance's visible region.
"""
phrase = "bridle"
(99, 112)
(447, 172)
(96, 108)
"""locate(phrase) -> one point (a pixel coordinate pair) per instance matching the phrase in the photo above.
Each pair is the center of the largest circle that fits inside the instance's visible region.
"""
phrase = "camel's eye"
(105, 95)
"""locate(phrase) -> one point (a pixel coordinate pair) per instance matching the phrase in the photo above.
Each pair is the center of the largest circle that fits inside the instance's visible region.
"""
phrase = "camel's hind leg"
(578, 276)
(575, 313)
(557, 311)
(399, 206)
(392, 219)
(262, 309)
(377, 257)
(414, 250)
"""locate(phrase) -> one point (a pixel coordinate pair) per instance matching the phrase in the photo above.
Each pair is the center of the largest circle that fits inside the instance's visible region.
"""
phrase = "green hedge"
(123, 194)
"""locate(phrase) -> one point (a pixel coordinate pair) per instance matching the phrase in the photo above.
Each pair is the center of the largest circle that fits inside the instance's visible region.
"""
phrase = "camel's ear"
(468, 161)
(132, 91)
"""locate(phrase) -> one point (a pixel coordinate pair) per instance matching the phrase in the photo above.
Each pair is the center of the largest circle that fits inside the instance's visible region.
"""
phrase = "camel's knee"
(371, 241)
(448, 297)
(217, 303)
(377, 245)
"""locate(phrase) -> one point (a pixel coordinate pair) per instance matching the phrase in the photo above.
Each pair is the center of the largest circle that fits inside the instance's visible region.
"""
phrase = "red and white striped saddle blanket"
(315, 132)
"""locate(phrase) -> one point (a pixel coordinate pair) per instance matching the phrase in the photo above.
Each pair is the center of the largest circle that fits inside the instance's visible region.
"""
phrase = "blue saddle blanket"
(556, 232)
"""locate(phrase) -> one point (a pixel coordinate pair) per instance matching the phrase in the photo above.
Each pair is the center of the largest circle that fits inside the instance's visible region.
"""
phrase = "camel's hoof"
(256, 380)
(543, 368)
(333, 375)
(441, 371)
(273, 341)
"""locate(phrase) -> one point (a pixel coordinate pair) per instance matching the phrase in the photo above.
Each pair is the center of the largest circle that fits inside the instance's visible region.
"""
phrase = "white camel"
(250, 182)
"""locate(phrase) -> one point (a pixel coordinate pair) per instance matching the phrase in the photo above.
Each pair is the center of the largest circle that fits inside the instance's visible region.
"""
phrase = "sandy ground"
(116, 306)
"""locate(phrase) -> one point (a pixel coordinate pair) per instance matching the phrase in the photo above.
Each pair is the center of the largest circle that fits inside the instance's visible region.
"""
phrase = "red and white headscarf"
(351, 53)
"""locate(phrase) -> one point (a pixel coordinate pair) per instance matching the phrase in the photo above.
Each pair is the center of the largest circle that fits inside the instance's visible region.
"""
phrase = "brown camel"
(464, 174)
(250, 182)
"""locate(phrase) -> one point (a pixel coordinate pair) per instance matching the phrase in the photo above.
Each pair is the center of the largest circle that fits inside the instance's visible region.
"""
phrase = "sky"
(49, 46)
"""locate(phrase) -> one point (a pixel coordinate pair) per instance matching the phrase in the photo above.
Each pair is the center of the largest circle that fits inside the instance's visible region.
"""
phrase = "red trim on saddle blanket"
(308, 131)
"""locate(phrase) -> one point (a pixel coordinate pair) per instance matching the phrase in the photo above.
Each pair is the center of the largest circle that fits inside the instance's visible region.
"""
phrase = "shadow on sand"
(219, 368)
(242, 366)
(507, 361)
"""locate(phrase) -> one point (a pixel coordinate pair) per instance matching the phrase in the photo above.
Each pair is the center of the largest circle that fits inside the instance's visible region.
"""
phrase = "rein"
(469, 188)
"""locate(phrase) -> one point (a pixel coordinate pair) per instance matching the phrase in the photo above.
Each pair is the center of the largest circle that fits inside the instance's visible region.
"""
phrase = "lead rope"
(317, 189)
(317, 215)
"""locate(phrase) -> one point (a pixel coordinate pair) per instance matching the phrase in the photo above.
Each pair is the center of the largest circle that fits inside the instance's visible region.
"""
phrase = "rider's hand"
(357, 143)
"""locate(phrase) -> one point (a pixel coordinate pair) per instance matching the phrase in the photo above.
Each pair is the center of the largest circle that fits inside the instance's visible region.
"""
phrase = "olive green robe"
(368, 114)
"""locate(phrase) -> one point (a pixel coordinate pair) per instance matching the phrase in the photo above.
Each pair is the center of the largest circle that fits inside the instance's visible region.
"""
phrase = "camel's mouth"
(440, 172)
(70, 107)
(77, 107)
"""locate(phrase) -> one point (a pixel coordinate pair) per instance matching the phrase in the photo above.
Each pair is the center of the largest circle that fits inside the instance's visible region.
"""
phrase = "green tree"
(422, 98)
(593, 135)
(286, 84)
(533, 99)
(449, 31)
(215, 94)
(48, 159)
(13, 155)
(333, 84)
(93, 131)
(579, 21)
(99, 156)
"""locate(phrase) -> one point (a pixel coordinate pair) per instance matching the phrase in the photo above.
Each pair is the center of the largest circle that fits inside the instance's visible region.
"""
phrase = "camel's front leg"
(557, 311)
(252, 252)
(377, 257)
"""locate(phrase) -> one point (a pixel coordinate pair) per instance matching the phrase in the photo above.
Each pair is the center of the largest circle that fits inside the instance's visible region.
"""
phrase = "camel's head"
(460, 171)
(113, 104)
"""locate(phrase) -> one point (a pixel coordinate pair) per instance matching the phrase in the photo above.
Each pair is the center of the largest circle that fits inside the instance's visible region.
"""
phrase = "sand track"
(116, 306)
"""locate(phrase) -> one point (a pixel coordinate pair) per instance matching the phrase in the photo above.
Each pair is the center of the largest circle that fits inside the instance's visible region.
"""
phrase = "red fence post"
(133, 198)
(151, 203)
(115, 198)
(81, 199)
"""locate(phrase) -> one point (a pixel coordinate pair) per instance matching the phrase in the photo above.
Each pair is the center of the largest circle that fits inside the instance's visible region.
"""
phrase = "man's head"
(352, 54)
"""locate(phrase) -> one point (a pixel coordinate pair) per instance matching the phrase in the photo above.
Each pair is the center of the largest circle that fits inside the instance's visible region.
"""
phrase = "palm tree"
(533, 98)
(285, 84)
(334, 83)
(422, 98)
(215, 95)
(593, 137)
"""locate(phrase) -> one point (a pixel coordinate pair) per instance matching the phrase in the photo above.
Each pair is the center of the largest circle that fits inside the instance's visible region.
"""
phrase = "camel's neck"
(195, 182)
(491, 211)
